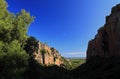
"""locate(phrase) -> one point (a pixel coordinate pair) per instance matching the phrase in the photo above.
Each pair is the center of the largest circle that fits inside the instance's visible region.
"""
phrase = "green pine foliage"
(31, 45)
(13, 29)
(13, 60)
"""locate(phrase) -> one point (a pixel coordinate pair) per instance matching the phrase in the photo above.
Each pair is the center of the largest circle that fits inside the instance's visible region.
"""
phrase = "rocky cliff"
(47, 55)
(44, 54)
(107, 41)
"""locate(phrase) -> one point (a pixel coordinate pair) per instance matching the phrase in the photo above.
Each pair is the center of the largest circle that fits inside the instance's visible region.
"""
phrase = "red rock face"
(107, 41)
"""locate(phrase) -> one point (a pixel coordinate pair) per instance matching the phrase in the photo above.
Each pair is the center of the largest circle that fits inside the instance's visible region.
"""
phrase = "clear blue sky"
(67, 25)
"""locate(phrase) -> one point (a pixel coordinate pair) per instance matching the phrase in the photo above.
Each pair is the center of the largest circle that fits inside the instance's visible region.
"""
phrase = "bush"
(13, 61)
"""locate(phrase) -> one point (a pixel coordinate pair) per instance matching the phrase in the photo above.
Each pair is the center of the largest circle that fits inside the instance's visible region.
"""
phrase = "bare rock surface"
(107, 41)
(47, 55)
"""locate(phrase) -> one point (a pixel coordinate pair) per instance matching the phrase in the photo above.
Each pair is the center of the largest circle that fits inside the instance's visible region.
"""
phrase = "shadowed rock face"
(107, 41)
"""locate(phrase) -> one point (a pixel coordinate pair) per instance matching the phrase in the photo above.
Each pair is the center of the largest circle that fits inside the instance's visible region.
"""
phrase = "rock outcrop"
(107, 41)
(48, 56)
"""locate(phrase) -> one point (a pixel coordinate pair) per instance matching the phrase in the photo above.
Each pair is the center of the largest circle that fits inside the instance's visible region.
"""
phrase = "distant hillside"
(75, 62)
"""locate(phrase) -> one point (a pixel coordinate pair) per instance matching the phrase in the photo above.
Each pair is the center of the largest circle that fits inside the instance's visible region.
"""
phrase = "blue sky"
(66, 25)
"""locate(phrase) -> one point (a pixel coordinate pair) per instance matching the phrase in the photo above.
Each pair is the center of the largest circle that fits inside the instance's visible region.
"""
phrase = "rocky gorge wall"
(47, 55)
(107, 41)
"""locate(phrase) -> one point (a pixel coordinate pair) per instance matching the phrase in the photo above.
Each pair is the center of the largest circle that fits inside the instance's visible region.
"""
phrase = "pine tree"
(13, 34)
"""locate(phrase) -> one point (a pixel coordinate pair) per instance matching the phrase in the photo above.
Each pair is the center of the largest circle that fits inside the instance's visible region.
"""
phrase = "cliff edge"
(107, 41)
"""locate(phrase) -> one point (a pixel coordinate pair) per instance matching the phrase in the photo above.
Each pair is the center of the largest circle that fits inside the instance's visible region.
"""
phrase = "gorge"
(25, 57)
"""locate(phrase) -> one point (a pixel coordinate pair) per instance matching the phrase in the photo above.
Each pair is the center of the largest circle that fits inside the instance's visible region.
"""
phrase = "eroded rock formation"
(48, 56)
(107, 41)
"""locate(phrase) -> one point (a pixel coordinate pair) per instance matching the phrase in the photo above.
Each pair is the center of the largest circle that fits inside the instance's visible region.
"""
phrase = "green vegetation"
(75, 62)
(43, 51)
(13, 29)
(31, 45)
(66, 64)
(13, 60)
